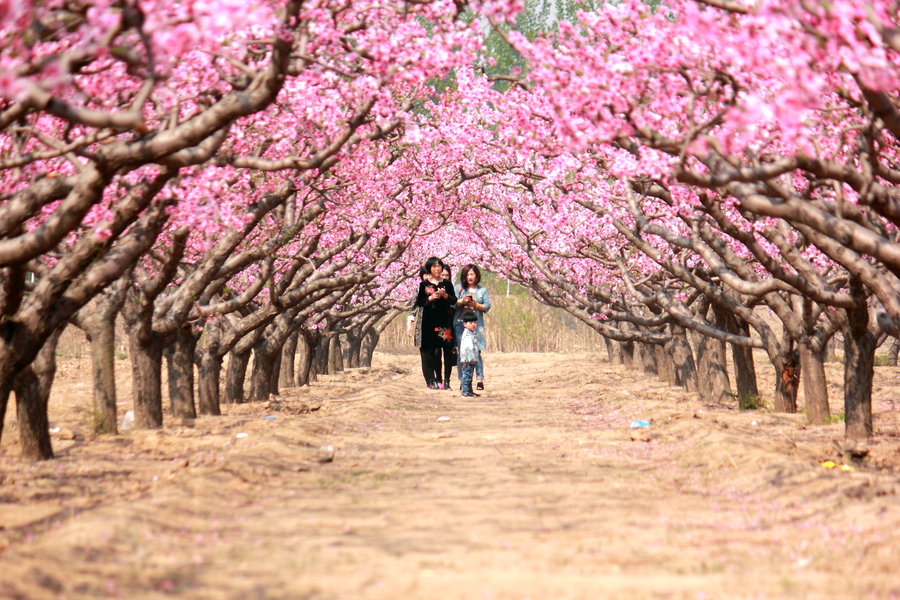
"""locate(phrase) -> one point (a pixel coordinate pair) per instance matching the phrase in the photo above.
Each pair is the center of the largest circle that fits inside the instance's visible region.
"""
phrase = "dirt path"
(535, 490)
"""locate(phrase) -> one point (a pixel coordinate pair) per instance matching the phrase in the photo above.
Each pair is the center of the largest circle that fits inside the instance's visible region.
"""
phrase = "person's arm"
(451, 294)
(422, 297)
(485, 305)
(410, 320)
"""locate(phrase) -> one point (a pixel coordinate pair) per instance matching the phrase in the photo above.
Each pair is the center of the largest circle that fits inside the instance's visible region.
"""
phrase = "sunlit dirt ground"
(539, 489)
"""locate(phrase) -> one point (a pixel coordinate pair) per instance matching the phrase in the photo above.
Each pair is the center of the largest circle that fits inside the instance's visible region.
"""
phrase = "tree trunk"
(830, 349)
(742, 356)
(714, 386)
(234, 377)
(367, 347)
(352, 350)
(682, 359)
(209, 372)
(146, 377)
(859, 366)
(893, 352)
(306, 351)
(32, 386)
(102, 334)
(649, 363)
(787, 381)
(31, 410)
(815, 387)
(100, 327)
(335, 356)
(264, 363)
(323, 351)
(666, 365)
(627, 354)
(274, 388)
(614, 351)
(744, 371)
(180, 358)
(288, 352)
(859, 363)
(637, 363)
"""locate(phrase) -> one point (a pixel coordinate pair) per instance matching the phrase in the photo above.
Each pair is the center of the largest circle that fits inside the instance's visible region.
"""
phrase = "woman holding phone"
(435, 298)
(472, 296)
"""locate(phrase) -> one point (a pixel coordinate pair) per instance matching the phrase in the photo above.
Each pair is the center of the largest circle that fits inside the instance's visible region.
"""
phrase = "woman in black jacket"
(435, 298)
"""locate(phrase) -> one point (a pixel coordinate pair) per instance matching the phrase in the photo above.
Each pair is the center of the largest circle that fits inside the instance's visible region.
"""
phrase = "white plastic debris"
(127, 421)
(241, 435)
(443, 419)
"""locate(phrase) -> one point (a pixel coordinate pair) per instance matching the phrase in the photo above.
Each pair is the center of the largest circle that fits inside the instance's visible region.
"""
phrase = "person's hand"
(409, 332)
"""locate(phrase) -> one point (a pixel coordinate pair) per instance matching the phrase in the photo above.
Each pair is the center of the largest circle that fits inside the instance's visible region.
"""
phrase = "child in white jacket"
(468, 354)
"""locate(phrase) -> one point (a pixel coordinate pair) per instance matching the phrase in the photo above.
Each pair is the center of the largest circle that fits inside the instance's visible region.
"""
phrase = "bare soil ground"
(539, 489)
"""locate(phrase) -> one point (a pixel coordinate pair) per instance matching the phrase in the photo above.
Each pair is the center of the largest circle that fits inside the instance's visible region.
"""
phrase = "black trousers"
(449, 361)
(431, 364)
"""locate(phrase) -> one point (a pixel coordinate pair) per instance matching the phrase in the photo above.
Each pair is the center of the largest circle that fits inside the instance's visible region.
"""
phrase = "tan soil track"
(535, 490)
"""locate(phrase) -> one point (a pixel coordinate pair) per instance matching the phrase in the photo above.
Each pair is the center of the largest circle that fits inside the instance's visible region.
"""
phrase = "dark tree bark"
(712, 374)
(32, 387)
(147, 344)
(323, 351)
(235, 374)
(627, 349)
(208, 372)
(100, 328)
(307, 343)
(815, 386)
(288, 352)
(893, 351)
(180, 358)
(367, 347)
(682, 359)
(860, 343)
(649, 363)
(812, 368)
(103, 359)
(666, 365)
(31, 410)
(102, 334)
(831, 352)
(335, 356)
(274, 388)
(146, 377)
(787, 379)
(614, 352)
(264, 363)
(742, 356)
(352, 348)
